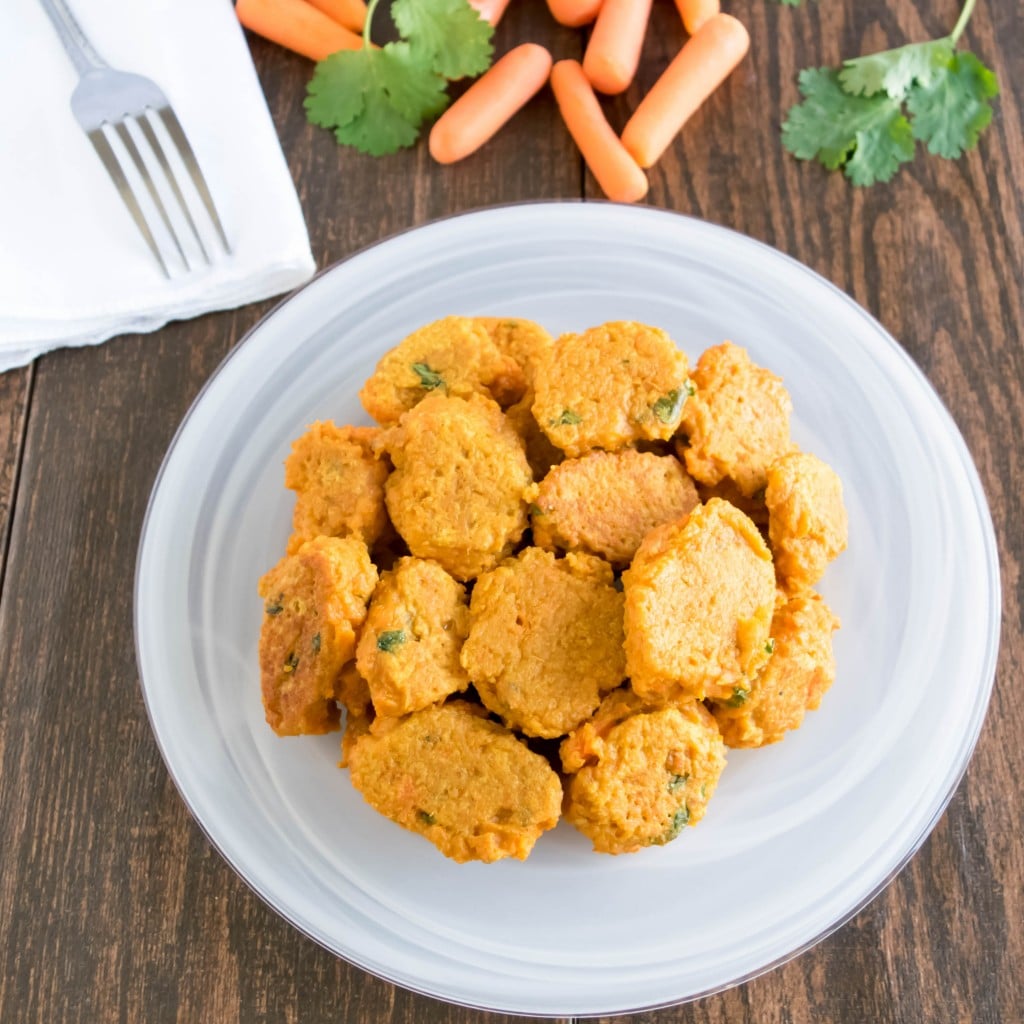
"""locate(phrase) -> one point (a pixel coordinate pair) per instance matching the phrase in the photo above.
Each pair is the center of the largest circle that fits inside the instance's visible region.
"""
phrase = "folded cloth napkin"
(74, 269)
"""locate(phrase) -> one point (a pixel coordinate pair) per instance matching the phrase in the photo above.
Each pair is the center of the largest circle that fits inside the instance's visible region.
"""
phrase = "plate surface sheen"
(799, 836)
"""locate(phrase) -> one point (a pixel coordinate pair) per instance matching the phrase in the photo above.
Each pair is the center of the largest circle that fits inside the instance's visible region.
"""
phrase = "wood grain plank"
(15, 388)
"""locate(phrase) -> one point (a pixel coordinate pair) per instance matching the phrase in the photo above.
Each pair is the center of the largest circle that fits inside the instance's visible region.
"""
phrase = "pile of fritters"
(560, 577)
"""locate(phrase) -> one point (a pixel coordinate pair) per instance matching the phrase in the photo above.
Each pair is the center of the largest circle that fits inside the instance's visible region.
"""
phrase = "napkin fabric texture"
(74, 269)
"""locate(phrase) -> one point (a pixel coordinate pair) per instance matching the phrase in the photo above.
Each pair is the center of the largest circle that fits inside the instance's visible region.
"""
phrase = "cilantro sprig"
(376, 99)
(867, 116)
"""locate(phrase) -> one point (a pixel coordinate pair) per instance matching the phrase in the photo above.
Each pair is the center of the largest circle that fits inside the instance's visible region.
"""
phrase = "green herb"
(390, 639)
(429, 379)
(377, 99)
(677, 823)
(535, 509)
(769, 647)
(274, 606)
(316, 643)
(690, 388)
(739, 697)
(790, 3)
(677, 782)
(668, 408)
(856, 117)
(426, 817)
(617, 584)
(567, 419)
(291, 663)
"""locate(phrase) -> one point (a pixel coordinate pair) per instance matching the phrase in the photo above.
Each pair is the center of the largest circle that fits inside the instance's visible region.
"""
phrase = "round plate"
(799, 836)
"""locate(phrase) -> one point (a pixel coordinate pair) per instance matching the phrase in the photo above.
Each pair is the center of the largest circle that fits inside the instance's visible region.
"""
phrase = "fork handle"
(75, 41)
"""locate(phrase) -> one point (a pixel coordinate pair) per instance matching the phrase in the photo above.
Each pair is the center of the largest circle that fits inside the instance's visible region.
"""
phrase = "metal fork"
(106, 96)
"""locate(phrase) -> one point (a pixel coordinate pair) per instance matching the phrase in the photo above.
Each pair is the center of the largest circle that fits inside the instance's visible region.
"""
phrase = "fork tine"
(111, 163)
(133, 151)
(177, 134)
(158, 150)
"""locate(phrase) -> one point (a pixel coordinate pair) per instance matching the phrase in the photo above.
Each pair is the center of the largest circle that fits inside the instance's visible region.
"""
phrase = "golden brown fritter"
(464, 782)
(605, 503)
(523, 340)
(353, 692)
(314, 601)
(545, 640)
(801, 668)
(642, 773)
(454, 356)
(737, 422)
(409, 645)
(807, 523)
(609, 386)
(699, 601)
(456, 494)
(726, 489)
(540, 452)
(339, 485)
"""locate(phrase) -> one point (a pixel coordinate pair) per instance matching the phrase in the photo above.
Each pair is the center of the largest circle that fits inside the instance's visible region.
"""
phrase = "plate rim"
(967, 464)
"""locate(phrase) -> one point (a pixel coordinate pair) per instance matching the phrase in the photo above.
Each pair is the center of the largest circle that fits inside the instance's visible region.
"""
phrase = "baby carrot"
(695, 12)
(350, 13)
(490, 10)
(615, 170)
(489, 102)
(297, 26)
(698, 69)
(614, 48)
(574, 13)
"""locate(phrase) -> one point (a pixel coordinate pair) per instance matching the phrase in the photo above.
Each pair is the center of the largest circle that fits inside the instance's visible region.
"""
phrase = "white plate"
(799, 835)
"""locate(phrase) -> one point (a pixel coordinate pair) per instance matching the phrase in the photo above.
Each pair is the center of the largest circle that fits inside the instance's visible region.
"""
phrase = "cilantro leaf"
(374, 100)
(869, 134)
(949, 113)
(448, 36)
(895, 71)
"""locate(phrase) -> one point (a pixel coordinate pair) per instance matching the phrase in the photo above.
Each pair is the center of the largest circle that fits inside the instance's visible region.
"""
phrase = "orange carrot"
(615, 170)
(297, 26)
(574, 13)
(489, 102)
(350, 13)
(490, 10)
(613, 52)
(697, 71)
(695, 12)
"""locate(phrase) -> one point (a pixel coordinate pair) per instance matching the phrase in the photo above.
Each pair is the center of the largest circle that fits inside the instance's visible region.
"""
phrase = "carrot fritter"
(409, 645)
(314, 601)
(454, 356)
(801, 668)
(523, 340)
(352, 691)
(609, 386)
(605, 503)
(545, 640)
(456, 494)
(464, 782)
(540, 452)
(339, 485)
(738, 421)
(699, 600)
(641, 773)
(807, 523)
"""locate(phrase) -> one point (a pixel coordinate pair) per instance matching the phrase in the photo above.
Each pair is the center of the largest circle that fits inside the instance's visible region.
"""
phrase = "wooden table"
(113, 905)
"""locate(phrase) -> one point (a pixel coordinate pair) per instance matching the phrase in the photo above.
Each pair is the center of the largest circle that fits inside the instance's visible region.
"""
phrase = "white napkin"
(74, 269)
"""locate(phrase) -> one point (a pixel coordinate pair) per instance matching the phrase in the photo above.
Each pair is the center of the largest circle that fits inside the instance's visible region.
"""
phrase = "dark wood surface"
(113, 905)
